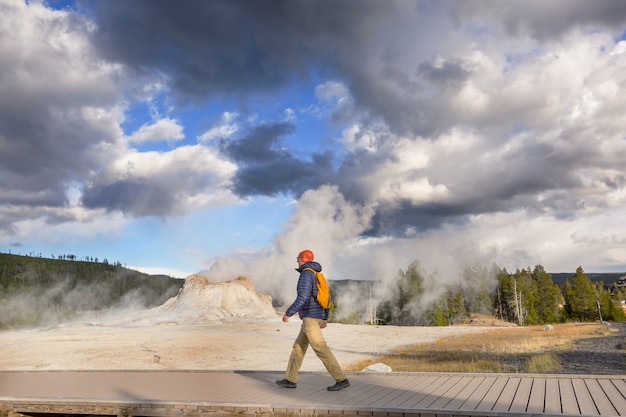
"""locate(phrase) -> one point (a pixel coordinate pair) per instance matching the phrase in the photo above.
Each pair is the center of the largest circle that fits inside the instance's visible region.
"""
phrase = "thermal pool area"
(207, 326)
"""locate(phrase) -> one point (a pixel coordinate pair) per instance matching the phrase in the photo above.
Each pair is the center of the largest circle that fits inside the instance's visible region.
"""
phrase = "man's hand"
(285, 318)
(323, 324)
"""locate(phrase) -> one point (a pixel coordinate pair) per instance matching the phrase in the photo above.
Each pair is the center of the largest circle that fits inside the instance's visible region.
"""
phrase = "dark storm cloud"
(535, 177)
(267, 168)
(228, 46)
(130, 196)
(379, 49)
(417, 103)
(41, 150)
(241, 48)
(450, 74)
(516, 181)
(405, 217)
(546, 19)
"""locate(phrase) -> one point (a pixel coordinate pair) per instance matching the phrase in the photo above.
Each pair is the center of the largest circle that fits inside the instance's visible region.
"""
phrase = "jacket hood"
(313, 265)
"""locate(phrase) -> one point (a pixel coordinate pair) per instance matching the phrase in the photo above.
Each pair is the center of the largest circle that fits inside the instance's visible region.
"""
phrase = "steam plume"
(332, 228)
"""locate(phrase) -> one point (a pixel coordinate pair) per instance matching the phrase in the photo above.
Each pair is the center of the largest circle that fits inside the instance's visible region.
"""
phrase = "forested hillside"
(38, 291)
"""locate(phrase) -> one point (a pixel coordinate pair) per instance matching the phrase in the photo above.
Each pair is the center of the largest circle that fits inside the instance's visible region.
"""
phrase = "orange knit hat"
(306, 255)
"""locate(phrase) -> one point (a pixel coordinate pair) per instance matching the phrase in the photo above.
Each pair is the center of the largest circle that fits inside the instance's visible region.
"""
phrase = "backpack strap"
(314, 282)
(308, 307)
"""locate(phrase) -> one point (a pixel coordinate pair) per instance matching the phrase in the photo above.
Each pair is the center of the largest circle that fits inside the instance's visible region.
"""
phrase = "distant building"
(619, 285)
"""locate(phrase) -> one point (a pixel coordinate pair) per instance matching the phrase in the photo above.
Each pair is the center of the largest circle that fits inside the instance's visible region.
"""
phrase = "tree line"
(526, 297)
(69, 257)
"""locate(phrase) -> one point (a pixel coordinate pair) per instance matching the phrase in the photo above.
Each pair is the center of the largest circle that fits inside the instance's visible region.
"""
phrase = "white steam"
(323, 222)
(331, 227)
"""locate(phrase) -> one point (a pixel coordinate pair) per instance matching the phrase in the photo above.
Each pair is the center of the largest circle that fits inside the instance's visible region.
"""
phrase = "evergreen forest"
(526, 297)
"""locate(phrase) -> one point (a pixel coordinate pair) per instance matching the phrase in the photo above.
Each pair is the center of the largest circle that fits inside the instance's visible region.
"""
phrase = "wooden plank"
(506, 396)
(473, 383)
(458, 388)
(414, 396)
(520, 402)
(440, 392)
(615, 396)
(254, 387)
(569, 403)
(537, 397)
(373, 390)
(602, 402)
(416, 386)
(583, 397)
(491, 397)
(388, 392)
(620, 384)
(479, 393)
(228, 386)
(552, 403)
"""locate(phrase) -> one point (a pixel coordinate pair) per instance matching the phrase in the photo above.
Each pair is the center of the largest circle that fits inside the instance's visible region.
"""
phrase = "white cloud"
(196, 176)
(162, 130)
(353, 138)
(290, 115)
(418, 190)
(77, 226)
(225, 127)
(332, 90)
(357, 137)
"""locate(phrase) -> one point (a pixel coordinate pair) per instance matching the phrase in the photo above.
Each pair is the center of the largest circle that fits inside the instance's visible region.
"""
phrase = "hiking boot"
(285, 383)
(339, 385)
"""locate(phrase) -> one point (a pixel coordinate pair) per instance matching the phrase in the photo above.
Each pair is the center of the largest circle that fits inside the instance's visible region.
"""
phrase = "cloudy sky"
(227, 135)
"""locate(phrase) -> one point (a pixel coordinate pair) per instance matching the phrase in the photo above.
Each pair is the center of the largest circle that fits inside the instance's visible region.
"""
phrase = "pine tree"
(611, 310)
(504, 303)
(546, 296)
(400, 307)
(580, 298)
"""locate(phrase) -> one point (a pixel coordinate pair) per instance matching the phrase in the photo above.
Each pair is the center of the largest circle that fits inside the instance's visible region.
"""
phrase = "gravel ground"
(598, 355)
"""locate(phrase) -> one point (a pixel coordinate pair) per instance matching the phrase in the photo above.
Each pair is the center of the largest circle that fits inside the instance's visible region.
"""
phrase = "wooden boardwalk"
(200, 393)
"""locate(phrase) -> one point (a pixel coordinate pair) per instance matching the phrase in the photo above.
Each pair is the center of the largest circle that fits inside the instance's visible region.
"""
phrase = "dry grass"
(512, 349)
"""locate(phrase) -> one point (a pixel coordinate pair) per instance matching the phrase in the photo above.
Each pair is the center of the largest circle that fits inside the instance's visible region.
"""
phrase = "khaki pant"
(311, 334)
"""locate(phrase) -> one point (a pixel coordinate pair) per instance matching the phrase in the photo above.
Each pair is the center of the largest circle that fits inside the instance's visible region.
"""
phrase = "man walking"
(313, 321)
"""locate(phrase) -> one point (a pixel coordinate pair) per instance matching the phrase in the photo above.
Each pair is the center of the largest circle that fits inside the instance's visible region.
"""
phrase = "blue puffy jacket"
(305, 303)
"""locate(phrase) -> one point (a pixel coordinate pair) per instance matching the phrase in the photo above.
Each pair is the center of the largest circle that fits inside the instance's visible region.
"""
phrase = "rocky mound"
(201, 299)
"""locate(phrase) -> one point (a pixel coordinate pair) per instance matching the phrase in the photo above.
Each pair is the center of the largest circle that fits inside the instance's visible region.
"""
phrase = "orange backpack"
(323, 292)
